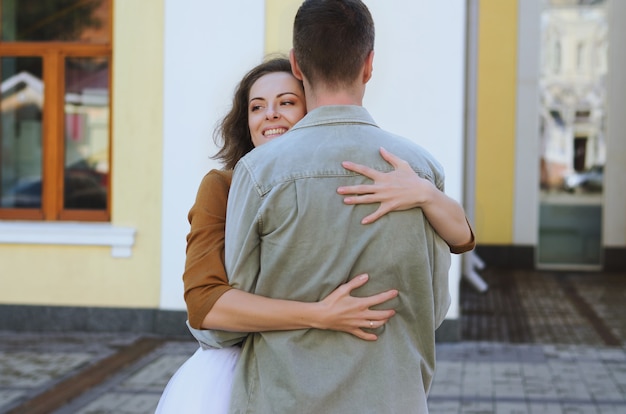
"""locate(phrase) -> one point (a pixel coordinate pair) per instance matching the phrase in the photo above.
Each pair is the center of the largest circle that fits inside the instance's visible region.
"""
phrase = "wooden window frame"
(53, 55)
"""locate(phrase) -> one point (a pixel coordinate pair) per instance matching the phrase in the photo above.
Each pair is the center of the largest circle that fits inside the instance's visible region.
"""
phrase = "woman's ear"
(295, 69)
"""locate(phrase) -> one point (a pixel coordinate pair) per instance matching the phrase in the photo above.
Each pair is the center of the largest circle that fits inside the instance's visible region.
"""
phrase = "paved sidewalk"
(472, 377)
(480, 377)
(535, 342)
(42, 372)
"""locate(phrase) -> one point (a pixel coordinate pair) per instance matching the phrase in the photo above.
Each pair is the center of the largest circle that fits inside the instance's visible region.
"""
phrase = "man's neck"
(331, 100)
(325, 96)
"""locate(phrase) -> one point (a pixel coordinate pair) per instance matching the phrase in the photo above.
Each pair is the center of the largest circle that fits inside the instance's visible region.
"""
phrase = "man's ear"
(295, 69)
(368, 68)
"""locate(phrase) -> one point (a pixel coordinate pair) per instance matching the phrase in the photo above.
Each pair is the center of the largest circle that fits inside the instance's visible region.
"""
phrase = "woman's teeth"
(275, 131)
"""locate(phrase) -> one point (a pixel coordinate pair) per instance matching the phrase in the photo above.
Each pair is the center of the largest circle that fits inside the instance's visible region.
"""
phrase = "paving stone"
(534, 343)
(10, 397)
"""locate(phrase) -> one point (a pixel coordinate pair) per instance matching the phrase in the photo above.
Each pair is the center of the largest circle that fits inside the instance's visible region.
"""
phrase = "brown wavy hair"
(232, 133)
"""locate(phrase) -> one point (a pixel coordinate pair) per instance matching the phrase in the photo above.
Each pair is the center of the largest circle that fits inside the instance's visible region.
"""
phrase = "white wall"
(417, 90)
(614, 227)
(209, 45)
(526, 205)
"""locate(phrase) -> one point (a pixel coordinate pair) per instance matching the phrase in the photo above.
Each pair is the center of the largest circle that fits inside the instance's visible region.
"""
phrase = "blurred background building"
(108, 109)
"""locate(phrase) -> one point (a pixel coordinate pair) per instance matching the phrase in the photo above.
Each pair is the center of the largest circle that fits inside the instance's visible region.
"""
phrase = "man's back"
(290, 236)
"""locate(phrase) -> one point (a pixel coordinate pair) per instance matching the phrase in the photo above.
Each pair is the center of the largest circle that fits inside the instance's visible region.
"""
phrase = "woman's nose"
(272, 113)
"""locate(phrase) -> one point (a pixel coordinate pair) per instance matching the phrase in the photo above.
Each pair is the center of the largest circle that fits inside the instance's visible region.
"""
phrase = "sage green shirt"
(289, 235)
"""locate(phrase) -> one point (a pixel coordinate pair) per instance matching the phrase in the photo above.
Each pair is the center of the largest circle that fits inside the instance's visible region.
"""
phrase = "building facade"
(520, 221)
(460, 78)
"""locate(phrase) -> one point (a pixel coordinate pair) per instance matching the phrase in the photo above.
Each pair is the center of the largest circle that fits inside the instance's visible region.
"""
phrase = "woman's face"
(275, 104)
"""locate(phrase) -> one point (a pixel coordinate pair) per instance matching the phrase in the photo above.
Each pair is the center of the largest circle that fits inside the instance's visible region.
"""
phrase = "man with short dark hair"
(288, 236)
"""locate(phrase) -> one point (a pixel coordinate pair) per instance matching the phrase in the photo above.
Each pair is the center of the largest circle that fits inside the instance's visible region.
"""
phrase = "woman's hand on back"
(340, 311)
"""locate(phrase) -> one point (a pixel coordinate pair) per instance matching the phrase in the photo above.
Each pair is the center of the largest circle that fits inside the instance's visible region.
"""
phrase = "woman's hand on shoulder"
(400, 189)
(403, 189)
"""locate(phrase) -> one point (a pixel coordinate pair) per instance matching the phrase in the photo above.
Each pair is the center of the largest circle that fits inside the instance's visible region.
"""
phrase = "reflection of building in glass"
(86, 139)
(20, 139)
(573, 73)
(86, 133)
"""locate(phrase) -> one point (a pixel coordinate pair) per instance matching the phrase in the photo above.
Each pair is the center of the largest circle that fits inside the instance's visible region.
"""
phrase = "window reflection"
(86, 133)
(84, 21)
(573, 95)
(20, 134)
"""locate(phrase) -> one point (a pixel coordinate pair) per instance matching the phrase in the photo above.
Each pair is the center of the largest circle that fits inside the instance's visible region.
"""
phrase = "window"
(55, 71)
(580, 57)
(557, 58)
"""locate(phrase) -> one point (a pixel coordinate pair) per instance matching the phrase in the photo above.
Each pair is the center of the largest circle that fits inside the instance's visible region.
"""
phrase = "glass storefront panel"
(574, 69)
(21, 132)
(85, 21)
(573, 95)
(86, 133)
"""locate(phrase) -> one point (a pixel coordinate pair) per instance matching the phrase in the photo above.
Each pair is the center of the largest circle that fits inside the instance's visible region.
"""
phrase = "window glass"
(21, 133)
(573, 97)
(85, 21)
(86, 173)
(573, 150)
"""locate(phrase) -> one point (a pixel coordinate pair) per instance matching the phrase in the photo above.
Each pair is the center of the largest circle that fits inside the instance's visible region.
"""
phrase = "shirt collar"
(336, 114)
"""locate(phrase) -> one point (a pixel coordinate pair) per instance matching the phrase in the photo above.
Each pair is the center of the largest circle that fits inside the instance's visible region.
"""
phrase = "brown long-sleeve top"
(205, 278)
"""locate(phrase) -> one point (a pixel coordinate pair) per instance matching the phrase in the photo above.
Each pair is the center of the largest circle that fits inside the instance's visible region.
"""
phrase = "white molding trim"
(120, 239)
(526, 184)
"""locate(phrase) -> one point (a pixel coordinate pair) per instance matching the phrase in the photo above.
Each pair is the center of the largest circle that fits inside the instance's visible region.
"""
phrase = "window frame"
(53, 56)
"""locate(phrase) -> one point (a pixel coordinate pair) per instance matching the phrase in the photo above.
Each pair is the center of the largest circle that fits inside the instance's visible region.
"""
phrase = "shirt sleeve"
(205, 278)
(439, 181)
(243, 230)
(462, 248)
(440, 262)
(242, 245)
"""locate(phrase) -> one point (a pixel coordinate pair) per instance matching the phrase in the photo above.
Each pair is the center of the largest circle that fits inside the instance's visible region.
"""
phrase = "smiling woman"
(276, 104)
(268, 102)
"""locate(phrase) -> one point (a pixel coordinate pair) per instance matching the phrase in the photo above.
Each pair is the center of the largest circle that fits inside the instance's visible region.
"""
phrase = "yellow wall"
(279, 16)
(495, 129)
(89, 276)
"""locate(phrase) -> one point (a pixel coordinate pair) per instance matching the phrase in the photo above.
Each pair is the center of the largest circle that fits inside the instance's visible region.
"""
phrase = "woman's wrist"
(315, 315)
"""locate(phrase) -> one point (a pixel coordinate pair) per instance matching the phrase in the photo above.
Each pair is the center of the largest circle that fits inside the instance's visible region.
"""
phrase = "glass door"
(572, 148)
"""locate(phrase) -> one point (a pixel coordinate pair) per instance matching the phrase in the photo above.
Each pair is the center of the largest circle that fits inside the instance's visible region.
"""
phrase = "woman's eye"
(255, 108)
(288, 103)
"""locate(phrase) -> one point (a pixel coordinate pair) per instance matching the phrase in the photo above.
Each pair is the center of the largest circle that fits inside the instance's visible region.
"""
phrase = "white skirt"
(202, 384)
